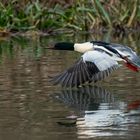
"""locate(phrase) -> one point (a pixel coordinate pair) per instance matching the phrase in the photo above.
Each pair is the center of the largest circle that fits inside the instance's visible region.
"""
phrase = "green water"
(32, 108)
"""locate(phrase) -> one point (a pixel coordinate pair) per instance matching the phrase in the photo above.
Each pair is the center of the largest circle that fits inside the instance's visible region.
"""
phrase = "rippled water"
(31, 108)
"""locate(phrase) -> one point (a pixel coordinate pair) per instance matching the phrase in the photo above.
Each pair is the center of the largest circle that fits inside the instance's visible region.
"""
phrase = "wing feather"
(131, 54)
(67, 80)
(57, 79)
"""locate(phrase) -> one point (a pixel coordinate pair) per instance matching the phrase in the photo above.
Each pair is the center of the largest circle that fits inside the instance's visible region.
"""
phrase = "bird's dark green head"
(64, 46)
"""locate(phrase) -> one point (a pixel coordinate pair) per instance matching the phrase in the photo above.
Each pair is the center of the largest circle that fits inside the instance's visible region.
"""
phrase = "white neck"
(83, 47)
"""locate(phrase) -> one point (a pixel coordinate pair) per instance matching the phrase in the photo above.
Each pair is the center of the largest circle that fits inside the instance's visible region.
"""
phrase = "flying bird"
(99, 60)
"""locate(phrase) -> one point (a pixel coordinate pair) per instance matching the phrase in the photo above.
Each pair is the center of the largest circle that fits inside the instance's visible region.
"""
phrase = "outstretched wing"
(93, 66)
(76, 75)
(131, 55)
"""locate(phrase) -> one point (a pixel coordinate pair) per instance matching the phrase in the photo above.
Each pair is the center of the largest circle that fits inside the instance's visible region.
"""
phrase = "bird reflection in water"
(100, 113)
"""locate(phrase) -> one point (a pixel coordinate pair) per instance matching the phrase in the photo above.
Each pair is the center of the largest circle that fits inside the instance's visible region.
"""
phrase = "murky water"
(31, 108)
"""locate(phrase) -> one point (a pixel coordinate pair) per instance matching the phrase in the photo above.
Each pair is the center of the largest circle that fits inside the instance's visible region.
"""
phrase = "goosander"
(97, 62)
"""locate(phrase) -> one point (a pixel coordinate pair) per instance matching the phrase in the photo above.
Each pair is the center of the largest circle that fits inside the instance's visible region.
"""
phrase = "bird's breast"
(83, 47)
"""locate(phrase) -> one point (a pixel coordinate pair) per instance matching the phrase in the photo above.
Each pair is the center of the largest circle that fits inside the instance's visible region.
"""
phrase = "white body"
(102, 60)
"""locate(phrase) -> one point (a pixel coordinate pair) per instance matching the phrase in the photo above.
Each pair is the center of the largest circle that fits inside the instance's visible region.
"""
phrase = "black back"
(106, 45)
(100, 43)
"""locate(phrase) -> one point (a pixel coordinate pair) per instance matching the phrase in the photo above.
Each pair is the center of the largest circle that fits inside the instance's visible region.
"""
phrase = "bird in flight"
(98, 61)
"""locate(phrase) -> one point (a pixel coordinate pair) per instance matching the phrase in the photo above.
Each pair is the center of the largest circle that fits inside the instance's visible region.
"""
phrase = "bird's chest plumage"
(83, 47)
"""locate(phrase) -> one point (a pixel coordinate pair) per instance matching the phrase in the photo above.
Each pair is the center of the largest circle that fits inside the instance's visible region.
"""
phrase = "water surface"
(32, 108)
